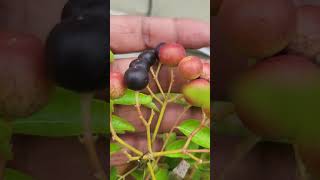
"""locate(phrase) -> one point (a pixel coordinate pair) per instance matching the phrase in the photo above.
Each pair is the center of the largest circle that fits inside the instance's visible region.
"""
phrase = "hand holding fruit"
(134, 70)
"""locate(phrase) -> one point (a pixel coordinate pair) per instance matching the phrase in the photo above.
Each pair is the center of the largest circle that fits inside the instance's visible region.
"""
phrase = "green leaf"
(62, 117)
(114, 148)
(113, 173)
(120, 125)
(201, 138)
(11, 174)
(172, 137)
(153, 106)
(129, 98)
(162, 174)
(171, 162)
(5, 131)
(137, 174)
(178, 144)
(5, 150)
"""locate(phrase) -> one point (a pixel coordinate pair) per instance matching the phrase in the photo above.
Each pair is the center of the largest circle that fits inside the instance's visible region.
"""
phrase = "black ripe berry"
(157, 49)
(140, 63)
(76, 54)
(76, 8)
(149, 56)
(136, 78)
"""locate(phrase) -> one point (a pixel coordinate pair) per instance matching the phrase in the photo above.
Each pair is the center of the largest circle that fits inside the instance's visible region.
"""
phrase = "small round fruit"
(197, 93)
(77, 56)
(76, 8)
(136, 78)
(25, 85)
(157, 49)
(205, 74)
(190, 67)
(117, 85)
(257, 28)
(307, 37)
(171, 54)
(149, 56)
(140, 63)
(278, 96)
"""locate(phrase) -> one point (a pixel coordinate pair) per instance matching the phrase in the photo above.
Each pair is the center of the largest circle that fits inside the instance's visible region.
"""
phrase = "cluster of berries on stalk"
(191, 68)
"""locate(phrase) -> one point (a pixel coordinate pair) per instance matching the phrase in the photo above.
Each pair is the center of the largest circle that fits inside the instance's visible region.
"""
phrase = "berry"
(76, 8)
(197, 93)
(148, 56)
(136, 78)
(205, 74)
(171, 54)
(140, 63)
(25, 86)
(76, 54)
(256, 28)
(157, 49)
(278, 96)
(117, 85)
(190, 67)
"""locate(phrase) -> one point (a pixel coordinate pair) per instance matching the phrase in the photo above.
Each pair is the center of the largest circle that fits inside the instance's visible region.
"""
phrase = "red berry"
(117, 85)
(205, 74)
(171, 54)
(25, 86)
(190, 67)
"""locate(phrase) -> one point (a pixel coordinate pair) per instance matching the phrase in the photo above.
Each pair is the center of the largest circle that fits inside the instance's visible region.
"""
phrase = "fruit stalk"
(88, 138)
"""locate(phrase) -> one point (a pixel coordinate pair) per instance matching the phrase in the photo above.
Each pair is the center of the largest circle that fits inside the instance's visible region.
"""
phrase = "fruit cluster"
(172, 55)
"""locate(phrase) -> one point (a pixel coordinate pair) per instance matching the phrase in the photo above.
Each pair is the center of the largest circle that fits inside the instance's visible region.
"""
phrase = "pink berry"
(171, 54)
(205, 71)
(190, 67)
(117, 85)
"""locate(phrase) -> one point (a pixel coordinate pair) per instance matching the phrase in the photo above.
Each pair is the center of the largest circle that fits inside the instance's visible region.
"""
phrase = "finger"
(170, 117)
(137, 141)
(121, 65)
(136, 33)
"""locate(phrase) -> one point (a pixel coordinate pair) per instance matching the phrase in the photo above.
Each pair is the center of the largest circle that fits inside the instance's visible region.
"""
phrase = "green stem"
(123, 143)
(88, 139)
(163, 153)
(151, 171)
(163, 109)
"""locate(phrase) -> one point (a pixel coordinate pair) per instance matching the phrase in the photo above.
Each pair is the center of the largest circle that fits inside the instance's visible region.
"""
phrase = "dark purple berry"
(140, 63)
(136, 78)
(149, 56)
(157, 49)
